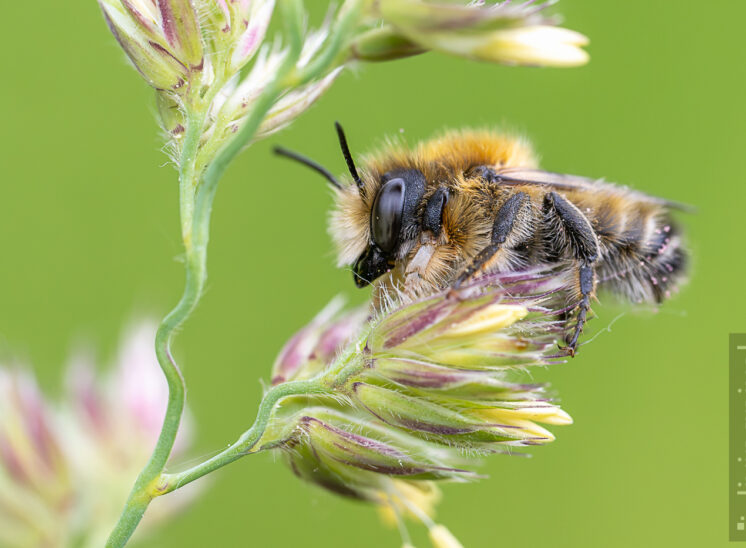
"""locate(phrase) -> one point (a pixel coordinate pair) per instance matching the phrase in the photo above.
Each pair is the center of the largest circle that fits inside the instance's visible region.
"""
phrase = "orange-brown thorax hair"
(443, 161)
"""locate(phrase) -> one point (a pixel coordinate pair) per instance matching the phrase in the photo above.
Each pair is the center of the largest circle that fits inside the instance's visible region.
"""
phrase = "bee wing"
(561, 181)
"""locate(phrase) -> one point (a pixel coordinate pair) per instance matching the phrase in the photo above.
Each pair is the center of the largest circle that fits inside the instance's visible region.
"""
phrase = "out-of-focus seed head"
(66, 466)
(502, 32)
(35, 478)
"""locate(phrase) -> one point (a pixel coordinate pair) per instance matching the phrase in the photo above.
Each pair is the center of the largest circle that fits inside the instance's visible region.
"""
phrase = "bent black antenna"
(348, 157)
(318, 168)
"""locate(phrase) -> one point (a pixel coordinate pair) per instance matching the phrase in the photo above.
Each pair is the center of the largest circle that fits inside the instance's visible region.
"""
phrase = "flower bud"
(352, 456)
(432, 421)
(501, 33)
(37, 482)
(253, 27)
(332, 476)
(476, 333)
(472, 384)
(160, 68)
(313, 347)
(145, 15)
(333, 439)
(181, 30)
(383, 44)
(539, 45)
(237, 105)
(294, 103)
(514, 412)
(456, 321)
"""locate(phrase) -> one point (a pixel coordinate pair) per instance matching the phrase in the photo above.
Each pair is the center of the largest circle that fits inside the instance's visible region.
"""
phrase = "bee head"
(375, 217)
(392, 221)
(392, 215)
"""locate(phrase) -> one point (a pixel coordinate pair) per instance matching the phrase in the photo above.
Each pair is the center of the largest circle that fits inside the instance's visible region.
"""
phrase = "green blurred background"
(89, 234)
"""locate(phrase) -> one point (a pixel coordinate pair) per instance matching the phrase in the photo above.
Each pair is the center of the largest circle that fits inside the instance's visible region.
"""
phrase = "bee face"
(392, 218)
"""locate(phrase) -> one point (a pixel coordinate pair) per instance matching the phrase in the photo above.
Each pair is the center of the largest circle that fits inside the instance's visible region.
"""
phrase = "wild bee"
(427, 218)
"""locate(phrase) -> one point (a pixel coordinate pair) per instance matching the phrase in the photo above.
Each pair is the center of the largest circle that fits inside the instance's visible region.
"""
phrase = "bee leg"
(501, 230)
(586, 288)
(582, 240)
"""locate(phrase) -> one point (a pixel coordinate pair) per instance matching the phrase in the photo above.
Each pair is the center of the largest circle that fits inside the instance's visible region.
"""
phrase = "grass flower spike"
(424, 387)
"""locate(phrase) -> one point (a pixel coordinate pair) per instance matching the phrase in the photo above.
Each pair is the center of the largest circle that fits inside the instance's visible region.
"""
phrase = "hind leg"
(581, 239)
(586, 285)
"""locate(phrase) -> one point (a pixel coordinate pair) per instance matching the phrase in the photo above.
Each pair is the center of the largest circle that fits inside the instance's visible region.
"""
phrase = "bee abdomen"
(646, 263)
(665, 260)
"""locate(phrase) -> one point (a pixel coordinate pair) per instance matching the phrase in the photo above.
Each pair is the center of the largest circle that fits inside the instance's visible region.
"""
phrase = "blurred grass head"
(65, 464)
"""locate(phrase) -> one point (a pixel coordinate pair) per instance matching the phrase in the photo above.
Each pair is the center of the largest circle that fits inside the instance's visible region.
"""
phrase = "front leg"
(582, 240)
(505, 222)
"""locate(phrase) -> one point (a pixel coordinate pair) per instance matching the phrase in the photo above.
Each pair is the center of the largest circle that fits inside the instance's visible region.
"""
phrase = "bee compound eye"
(386, 215)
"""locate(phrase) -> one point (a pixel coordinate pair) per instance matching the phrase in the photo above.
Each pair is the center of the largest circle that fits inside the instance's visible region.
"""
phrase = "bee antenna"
(348, 157)
(321, 170)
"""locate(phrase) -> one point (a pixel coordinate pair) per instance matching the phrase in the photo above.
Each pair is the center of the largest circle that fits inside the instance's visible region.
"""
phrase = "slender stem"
(195, 221)
(196, 274)
(346, 365)
(187, 181)
(247, 441)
